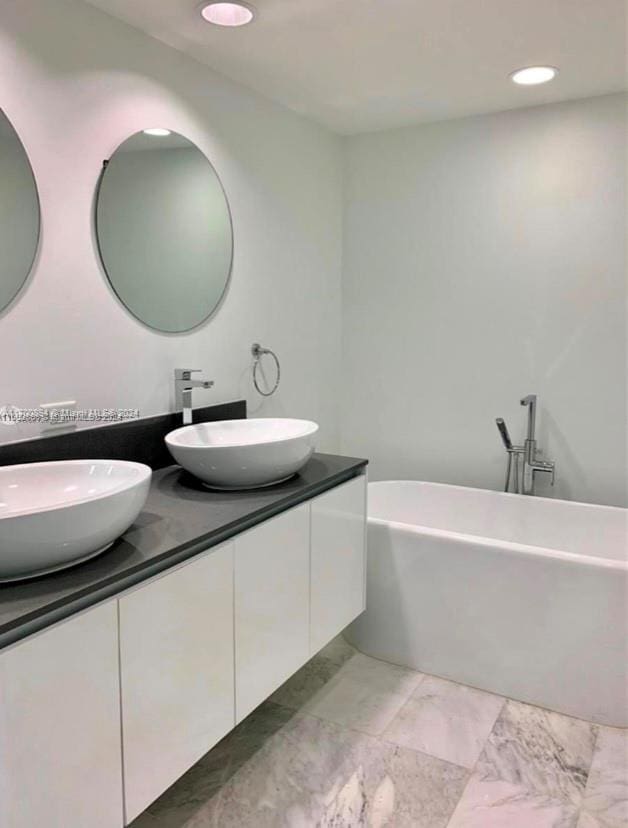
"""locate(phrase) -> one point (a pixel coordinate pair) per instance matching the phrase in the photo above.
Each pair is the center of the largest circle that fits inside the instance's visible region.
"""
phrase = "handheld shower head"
(503, 430)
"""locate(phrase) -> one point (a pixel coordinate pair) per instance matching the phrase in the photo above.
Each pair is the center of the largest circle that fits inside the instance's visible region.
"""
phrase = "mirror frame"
(31, 265)
(101, 257)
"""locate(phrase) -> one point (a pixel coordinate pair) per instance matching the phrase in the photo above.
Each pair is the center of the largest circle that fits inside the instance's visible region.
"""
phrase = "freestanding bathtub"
(522, 596)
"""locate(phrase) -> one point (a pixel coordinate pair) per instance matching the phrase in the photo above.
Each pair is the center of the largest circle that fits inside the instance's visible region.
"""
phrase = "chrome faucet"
(183, 385)
(524, 479)
(531, 462)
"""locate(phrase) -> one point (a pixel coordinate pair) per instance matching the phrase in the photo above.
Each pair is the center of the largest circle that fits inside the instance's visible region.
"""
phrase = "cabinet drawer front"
(338, 560)
(176, 658)
(60, 763)
(271, 605)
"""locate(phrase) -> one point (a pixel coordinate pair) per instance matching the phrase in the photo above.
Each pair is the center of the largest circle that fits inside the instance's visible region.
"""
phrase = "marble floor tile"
(365, 694)
(338, 650)
(605, 803)
(446, 720)
(540, 751)
(352, 742)
(315, 773)
(304, 684)
(196, 787)
(500, 804)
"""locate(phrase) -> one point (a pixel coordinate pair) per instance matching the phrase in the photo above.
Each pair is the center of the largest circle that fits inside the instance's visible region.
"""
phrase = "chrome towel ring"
(258, 352)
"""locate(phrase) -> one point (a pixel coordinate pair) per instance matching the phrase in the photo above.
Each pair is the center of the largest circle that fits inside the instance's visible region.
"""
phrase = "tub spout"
(530, 401)
(531, 462)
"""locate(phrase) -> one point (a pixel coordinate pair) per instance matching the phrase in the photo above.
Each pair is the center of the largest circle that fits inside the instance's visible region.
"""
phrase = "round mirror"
(19, 214)
(164, 230)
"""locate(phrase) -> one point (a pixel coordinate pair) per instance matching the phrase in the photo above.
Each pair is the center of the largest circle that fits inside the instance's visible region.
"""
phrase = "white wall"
(484, 259)
(75, 83)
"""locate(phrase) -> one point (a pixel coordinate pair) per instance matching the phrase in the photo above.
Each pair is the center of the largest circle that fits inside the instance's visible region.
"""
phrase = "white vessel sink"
(57, 514)
(243, 454)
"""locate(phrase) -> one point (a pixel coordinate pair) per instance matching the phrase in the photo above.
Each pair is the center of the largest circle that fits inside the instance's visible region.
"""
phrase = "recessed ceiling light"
(532, 75)
(157, 132)
(228, 14)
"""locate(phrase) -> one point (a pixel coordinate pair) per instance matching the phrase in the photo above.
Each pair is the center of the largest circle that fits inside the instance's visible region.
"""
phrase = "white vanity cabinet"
(176, 673)
(338, 572)
(60, 759)
(272, 582)
(101, 713)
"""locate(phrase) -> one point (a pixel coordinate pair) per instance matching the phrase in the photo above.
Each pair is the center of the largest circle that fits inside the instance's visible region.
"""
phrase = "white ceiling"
(362, 65)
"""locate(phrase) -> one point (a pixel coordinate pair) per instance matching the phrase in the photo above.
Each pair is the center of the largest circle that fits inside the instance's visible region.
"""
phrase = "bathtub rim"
(527, 550)
(499, 493)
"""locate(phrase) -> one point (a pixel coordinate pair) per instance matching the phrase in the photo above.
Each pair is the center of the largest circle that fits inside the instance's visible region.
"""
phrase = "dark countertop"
(181, 518)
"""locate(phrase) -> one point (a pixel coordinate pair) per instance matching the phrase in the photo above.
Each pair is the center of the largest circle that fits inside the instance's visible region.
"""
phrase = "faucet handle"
(185, 373)
(547, 467)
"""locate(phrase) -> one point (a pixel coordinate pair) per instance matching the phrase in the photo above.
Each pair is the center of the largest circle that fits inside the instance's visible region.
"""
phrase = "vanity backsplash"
(140, 441)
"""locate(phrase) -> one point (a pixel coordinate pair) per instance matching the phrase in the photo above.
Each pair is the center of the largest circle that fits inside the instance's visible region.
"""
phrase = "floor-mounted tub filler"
(526, 597)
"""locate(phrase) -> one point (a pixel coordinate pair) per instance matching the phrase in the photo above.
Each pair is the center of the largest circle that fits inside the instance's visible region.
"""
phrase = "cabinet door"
(271, 605)
(338, 560)
(176, 658)
(60, 763)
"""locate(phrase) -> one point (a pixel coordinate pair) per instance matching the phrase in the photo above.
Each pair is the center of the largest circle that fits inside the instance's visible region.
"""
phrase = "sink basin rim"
(144, 473)
(233, 455)
(310, 428)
